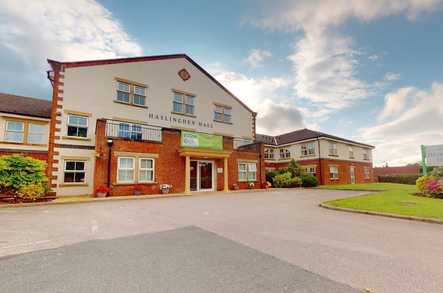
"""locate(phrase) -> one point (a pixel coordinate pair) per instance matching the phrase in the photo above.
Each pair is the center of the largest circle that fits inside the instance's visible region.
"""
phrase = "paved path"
(388, 255)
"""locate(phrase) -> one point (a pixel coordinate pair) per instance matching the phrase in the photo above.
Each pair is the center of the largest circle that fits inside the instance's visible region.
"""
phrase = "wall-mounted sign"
(432, 155)
(177, 120)
(220, 170)
(201, 140)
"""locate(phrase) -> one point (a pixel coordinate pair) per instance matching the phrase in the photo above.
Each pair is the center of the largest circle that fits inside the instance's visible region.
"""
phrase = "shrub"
(433, 187)
(421, 183)
(437, 172)
(309, 180)
(286, 180)
(294, 169)
(270, 176)
(402, 179)
(22, 175)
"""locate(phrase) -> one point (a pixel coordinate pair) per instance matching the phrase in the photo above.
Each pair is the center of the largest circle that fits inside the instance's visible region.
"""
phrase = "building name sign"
(201, 140)
(177, 120)
(433, 155)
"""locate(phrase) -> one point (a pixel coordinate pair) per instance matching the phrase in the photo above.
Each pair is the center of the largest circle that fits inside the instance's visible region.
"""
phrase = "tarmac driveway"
(261, 233)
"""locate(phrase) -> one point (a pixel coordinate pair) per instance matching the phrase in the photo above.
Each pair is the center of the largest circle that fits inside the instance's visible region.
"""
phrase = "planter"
(102, 194)
(165, 190)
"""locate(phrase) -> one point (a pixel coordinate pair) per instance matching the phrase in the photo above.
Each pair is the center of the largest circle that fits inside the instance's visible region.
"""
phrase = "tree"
(294, 169)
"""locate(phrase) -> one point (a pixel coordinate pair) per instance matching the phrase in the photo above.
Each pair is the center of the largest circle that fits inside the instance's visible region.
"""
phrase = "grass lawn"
(394, 199)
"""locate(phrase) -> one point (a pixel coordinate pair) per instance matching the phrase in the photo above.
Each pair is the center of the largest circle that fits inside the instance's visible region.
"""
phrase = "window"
(285, 154)
(146, 170)
(183, 104)
(36, 133)
(74, 172)
(367, 172)
(310, 170)
(308, 149)
(15, 131)
(366, 155)
(333, 149)
(125, 173)
(222, 113)
(269, 154)
(77, 126)
(351, 152)
(333, 172)
(130, 131)
(131, 93)
(139, 96)
(123, 92)
(247, 171)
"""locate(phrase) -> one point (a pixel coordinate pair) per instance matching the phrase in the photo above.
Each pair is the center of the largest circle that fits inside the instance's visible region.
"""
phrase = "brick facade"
(322, 170)
(39, 155)
(169, 165)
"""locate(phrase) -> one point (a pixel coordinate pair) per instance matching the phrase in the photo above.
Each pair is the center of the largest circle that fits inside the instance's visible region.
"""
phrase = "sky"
(368, 70)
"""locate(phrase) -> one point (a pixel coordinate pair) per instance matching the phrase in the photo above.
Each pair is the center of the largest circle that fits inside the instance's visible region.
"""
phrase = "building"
(330, 158)
(24, 126)
(414, 169)
(135, 124)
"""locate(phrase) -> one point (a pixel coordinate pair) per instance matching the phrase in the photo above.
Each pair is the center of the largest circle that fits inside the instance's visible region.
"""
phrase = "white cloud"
(373, 57)
(256, 57)
(33, 31)
(398, 140)
(276, 111)
(395, 102)
(391, 76)
(325, 63)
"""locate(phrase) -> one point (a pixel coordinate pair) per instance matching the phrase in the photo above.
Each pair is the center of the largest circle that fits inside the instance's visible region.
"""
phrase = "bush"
(437, 172)
(270, 176)
(402, 179)
(309, 180)
(430, 186)
(286, 180)
(22, 177)
(421, 182)
(294, 169)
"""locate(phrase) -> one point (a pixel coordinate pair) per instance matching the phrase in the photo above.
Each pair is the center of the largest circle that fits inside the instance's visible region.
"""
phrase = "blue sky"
(368, 70)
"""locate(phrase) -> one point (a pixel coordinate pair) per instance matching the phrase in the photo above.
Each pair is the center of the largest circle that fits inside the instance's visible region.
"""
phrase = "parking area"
(383, 254)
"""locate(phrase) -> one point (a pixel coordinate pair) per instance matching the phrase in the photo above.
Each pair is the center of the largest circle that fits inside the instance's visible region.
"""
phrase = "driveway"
(285, 229)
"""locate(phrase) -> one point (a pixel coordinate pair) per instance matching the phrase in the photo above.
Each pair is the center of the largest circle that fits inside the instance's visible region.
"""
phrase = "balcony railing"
(133, 131)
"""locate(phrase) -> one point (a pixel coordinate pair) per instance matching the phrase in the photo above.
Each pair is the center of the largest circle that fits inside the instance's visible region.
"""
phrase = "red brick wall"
(322, 170)
(169, 166)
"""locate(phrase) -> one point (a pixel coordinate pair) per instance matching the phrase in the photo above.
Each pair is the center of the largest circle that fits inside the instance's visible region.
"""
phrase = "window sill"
(77, 138)
(73, 185)
(134, 183)
(332, 155)
(308, 156)
(23, 143)
(183, 114)
(334, 179)
(130, 104)
(224, 122)
(247, 181)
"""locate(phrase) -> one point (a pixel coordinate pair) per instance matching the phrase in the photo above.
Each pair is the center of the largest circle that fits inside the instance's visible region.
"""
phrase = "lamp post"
(110, 143)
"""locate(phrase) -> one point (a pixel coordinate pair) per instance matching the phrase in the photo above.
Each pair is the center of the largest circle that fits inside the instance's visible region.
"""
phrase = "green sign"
(201, 140)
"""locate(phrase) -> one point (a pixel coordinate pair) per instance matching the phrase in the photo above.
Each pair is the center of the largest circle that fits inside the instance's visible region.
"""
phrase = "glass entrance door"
(194, 175)
(205, 175)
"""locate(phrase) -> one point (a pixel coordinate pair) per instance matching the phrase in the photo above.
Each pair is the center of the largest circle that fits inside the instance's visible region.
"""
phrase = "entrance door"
(352, 174)
(205, 176)
(202, 175)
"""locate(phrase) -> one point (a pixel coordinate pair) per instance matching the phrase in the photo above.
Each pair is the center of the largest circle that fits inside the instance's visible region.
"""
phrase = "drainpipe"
(319, 162)
(110, 143)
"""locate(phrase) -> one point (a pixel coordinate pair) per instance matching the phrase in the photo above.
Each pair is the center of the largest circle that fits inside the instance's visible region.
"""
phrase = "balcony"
(132, 131)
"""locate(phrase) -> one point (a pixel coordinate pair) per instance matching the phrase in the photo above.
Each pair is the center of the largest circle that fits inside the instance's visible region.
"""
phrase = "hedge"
(403, 179)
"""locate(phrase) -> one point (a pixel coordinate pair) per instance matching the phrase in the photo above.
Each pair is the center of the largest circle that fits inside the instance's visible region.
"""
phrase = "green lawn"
(394, 199)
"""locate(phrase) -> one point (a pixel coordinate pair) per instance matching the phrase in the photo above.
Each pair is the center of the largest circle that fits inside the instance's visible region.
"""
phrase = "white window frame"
(41, 134)
(351, 152)
(250, 171)
(285, 153)
(308, 149)
(133, 170)
(132, 93)
(137, 94)
(120, 90)
(269, 153)
(311, 170)
(367, 172)
(184, 103)
(152, 169)
(78, 126)
(366, 155)
(75, 171)
(225, 113)
(333, 149)
(15, 131)
(332, 175)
